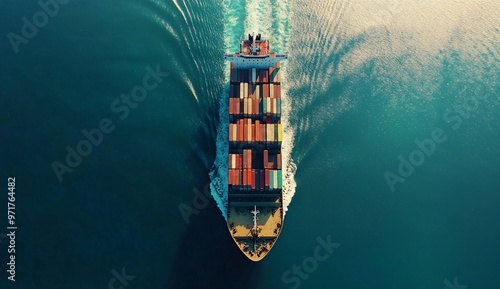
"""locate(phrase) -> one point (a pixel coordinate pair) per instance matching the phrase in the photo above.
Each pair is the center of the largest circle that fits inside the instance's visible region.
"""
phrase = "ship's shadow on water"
(206, 256)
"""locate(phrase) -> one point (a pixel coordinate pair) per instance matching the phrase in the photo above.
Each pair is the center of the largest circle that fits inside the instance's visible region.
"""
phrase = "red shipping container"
(279, 162)
(267, 178)
(262, 183)
(257, 124)
(277, 90)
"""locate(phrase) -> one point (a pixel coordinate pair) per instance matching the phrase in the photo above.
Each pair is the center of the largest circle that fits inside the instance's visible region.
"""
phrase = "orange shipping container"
(240, 131)
(253, 132)
(249, 130)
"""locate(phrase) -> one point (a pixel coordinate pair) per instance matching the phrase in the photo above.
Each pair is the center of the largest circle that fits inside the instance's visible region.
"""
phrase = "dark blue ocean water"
(392, 118)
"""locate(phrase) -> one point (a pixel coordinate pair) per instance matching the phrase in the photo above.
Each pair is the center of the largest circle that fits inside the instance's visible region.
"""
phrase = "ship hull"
(255, 188)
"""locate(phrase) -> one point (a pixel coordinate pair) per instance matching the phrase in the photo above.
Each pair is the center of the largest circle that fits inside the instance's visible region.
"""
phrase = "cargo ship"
(255, 199)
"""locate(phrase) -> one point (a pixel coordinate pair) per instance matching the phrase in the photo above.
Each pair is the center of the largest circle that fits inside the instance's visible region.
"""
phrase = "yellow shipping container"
(280, 132)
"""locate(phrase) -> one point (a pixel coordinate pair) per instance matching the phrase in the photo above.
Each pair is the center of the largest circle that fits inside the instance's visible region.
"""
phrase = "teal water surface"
(393, 124)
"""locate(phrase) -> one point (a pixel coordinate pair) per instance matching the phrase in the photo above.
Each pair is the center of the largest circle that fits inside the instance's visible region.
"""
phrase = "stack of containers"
(255, 93)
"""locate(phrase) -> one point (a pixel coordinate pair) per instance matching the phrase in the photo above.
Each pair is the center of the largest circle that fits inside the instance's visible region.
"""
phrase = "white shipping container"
(271, 90)
(242, 89)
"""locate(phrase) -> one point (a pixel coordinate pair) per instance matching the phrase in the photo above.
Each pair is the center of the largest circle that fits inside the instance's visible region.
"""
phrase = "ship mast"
(255, 232)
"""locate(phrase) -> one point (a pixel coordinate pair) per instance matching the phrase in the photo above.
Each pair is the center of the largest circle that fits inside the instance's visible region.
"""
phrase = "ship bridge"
(254, 53)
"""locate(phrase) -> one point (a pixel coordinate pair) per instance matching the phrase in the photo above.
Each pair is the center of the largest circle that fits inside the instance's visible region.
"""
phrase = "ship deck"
(263, 44)
(269, 223)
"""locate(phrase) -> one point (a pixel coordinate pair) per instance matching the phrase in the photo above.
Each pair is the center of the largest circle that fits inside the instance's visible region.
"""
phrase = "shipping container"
(272, 180)
(249, 130)
(240, 130)
(280, 180)
(263, 179)
(267, 179)
(275, 182)
(280, 132)
(271, 90)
